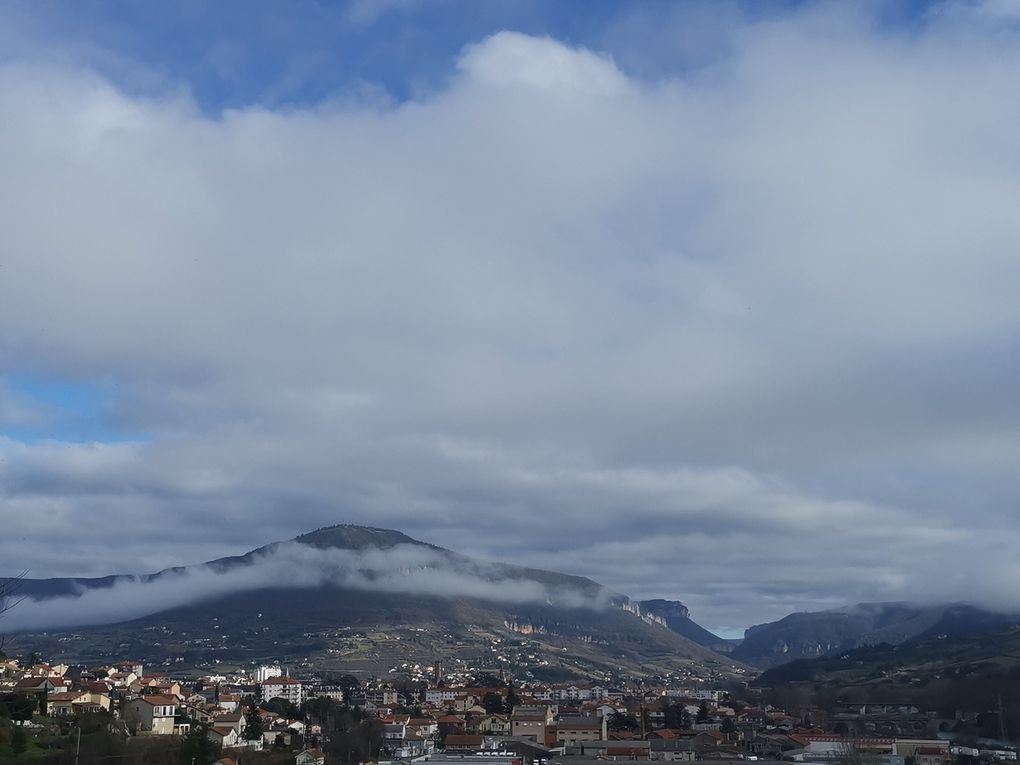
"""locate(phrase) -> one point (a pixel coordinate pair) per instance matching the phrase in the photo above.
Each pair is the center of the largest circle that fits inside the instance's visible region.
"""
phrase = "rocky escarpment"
(677, 617)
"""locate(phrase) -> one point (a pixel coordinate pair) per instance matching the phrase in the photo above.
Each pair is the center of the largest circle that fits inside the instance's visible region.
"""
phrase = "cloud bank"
(743, 336)
(406, 569)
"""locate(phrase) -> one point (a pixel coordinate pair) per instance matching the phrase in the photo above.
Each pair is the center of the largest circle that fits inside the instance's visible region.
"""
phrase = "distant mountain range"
(939, 672)
(316, 597)
(810, 635)
(368, 598)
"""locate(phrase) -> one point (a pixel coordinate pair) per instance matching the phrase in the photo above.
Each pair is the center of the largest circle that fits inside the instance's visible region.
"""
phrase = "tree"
(492, 702)
(621, 721)
(727, 726)
(8, 589)
(703, 716)
(197, 748)
(354, 741)
(488, 680)
(320, 708)
(19, 741)
(675, 716)
(253, 727)
(284, 708)
(512, 699)
(16, 706)
(349, 685)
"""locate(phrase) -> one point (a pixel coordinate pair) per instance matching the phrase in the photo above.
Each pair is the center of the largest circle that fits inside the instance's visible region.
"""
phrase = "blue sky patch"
(62, 410)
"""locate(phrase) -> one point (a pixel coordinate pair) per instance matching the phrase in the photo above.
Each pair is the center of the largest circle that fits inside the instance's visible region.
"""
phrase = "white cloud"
(408, 569)
(747, 334)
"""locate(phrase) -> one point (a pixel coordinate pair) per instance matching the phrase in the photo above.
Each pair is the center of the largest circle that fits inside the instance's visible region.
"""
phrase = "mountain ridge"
(366, 578)
(815, 634)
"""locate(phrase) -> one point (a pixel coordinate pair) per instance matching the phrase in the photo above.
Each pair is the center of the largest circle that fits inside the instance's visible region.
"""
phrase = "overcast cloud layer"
(747, 337)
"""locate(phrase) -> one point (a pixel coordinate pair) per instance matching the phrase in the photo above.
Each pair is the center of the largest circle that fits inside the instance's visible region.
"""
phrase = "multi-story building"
(530, 722)
(577, 730)
(283, 687)
(263, 673)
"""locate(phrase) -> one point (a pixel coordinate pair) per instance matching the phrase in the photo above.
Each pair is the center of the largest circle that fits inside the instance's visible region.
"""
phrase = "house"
(40, 686)
(123, 679)
(394, 730)
(326, 692)
(234, 720)
(310, 757)
(62, 704)
(196, 713)
(151, 714)
(494, 725)
(417, 742)
(573, 693)
(276, 737)
(129, 666)
(440, 697)
(227, 738)
(448, 724)
(931, 755)
(574, 730)
(671, 750)
(76, 703)
(427, 724)
(229, 701)
(708, 739)
(463, 743)
(159, 686)
(530, 722)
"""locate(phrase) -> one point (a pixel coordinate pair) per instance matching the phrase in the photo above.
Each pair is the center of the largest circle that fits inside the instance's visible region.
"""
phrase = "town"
(122, 711)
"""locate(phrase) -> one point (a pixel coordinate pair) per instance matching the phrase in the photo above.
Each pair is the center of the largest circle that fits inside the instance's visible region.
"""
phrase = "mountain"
(942, 673)
(808, 635)
(364, 599)
(678, 618)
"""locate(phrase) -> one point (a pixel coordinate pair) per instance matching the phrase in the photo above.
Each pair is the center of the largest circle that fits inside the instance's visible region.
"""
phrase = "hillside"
(359, 598)
(808, 635)
(937, 673)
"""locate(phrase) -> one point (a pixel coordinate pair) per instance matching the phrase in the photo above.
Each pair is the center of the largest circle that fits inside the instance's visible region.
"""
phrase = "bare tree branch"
(8, 598)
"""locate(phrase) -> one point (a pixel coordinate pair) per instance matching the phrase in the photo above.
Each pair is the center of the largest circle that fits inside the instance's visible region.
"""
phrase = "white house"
(151, 714)
(310, 757)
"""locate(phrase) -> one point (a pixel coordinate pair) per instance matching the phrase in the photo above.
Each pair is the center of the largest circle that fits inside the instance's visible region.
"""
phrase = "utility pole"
(1002, 721)
(77, 746)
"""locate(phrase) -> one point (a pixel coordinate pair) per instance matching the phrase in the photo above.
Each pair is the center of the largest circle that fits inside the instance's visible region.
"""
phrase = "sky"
(712, 301)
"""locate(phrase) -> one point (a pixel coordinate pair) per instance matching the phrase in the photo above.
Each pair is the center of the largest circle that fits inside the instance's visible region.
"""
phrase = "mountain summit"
(350, 537)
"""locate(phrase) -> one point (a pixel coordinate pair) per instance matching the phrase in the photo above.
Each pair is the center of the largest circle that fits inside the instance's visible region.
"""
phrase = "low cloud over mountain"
(404, 568)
